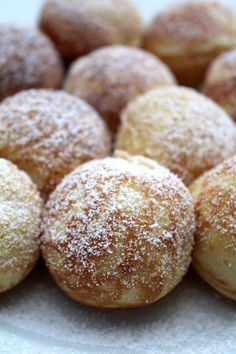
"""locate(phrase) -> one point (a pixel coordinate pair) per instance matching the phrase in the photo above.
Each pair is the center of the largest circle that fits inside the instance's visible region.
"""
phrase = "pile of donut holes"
(118, 149)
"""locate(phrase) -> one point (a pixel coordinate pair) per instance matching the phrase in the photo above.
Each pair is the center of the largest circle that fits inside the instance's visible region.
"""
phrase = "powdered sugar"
(217, 200)
(97, 223)
(195, 22)
(220, 81)
(95, 23)
(37, 318)
(188, 36)
(27, 59)
(20, 210)
(180, 129)
(111, 77)
(49, 133)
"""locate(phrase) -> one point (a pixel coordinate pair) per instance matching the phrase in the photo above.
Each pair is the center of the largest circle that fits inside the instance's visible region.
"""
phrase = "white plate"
(37, 318)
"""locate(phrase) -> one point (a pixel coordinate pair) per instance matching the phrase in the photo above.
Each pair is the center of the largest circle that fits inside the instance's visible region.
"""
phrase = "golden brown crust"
(220, 82)
(28, 59)
(214, 195)
(20, 219)
(180, 129)
(118, 233)
(111, 77)
(217, 283)
(49, 133)
(188, 36)
(95, 23)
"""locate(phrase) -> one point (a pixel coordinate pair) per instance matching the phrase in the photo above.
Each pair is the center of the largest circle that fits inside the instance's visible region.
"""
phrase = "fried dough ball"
(48, 134)
(28, 59)
(77, 27)
(20, 218)
(179, 128)
(214, 256)
(111, 77)
(118, 232)
(220, 82)
(188, 36)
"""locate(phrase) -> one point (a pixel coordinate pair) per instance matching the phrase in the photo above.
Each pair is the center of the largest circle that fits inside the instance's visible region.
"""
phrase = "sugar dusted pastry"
(20, 218)
(110, 77)
(28, 59)
(179, 128)
(220, 81)
(118, 232)
(188, 36)
(49, 133)
(214, 256)
(77, 27)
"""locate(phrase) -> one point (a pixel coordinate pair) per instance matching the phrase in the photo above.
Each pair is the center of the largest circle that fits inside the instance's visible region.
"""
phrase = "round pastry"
(118, 232)
(77, 27)
(111, 77)
(28, 59)
(220, 82)
(214, 256)
(179, 128)
(188, 36)
(48, 134)
(20, 218)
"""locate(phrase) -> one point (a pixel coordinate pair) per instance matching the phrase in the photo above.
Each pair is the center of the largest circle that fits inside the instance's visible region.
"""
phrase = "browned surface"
(20, 221)
(188, 36)
(28, 60)
(48, 134)
(179, 128)
(78, 27)
(217, 283)
(220, 82)
(111, 77)
(215, 203)
(107, 250)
